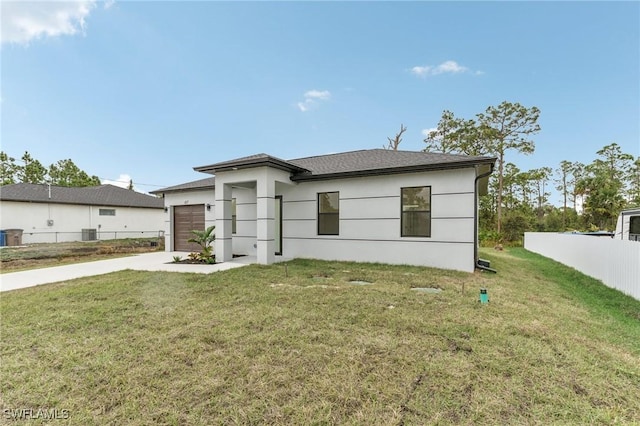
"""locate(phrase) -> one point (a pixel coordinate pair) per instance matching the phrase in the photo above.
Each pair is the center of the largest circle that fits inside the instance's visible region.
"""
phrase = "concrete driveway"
(157, 261)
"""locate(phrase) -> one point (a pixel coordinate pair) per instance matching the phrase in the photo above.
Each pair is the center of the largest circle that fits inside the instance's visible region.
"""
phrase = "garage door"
(185, 220)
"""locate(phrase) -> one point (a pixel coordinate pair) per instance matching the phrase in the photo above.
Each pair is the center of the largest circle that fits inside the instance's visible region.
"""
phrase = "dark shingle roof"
(103, 195)
(380, 161)
(196, 184)
(354, 163)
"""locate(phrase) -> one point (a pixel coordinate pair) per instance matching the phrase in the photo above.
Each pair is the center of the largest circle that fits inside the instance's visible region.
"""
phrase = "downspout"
(476, 241)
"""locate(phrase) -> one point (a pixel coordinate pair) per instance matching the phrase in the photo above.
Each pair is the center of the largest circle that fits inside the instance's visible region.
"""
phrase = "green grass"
(255, 346)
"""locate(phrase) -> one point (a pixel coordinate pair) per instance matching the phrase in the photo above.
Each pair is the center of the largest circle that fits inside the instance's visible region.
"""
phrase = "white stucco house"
(398, 207)
(49, 213)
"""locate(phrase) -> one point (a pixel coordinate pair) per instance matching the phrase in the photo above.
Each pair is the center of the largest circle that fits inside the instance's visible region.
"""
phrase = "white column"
(265, 221)
(223, 243)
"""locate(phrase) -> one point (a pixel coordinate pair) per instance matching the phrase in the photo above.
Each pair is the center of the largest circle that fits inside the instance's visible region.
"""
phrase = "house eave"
(391, 171)
(250, 164)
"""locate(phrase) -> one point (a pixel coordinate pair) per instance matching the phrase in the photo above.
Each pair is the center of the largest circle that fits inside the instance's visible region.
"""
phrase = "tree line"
(30, 170)
(592, 194)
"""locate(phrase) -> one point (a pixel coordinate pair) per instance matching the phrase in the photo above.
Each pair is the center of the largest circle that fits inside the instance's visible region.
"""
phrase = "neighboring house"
(376, 205)
(628, 225)
(48, 213)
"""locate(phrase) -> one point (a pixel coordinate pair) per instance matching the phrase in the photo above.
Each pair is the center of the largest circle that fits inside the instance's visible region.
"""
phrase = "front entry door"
(278, 223)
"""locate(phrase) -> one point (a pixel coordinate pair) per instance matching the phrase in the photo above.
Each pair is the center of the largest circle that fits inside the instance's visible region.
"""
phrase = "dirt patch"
(35, 256)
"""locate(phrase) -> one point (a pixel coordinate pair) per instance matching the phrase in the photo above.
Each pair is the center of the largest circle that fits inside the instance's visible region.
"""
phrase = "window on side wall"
(416, 211)
(233, 216)
(107, 212)
(328, 213)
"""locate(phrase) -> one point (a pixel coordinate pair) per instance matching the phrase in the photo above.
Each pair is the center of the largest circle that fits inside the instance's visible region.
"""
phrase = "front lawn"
(299, 344)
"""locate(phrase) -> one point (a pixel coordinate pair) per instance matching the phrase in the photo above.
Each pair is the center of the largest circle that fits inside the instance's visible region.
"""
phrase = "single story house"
(49, 213)
(377, 205)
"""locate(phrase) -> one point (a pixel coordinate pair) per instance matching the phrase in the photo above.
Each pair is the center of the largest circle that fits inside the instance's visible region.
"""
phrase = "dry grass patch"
(253, 345)
(43, 255)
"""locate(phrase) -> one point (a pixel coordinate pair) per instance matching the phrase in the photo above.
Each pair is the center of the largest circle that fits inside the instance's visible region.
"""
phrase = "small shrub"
(177, 259)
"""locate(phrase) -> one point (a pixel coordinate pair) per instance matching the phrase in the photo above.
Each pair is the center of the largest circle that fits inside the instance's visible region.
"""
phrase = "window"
(233, 216)
(328, 213)
(107, 212)
(416, 211)
(634, 228)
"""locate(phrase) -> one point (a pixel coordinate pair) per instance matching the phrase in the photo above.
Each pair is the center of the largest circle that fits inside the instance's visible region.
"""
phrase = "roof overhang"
(249, 163)
(396, 170)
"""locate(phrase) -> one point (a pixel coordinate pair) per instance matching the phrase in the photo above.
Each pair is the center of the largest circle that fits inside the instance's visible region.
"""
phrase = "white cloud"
(425, 132)
(23, 21)
(447, 67)
(318, 94)
(122, 181)
(312, 98)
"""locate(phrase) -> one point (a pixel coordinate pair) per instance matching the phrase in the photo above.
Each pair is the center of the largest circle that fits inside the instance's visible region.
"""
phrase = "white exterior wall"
(614, 262)
(370, 213)
(69, 220)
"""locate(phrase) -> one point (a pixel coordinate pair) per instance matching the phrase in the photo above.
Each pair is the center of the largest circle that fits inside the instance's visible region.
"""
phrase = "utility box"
(90, 234)
(13, 237)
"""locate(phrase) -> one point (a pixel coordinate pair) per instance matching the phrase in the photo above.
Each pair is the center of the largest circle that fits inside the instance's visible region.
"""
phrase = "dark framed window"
(107, 212)
(416, 211)
(328, 213)
(634, 228)
(234, 216)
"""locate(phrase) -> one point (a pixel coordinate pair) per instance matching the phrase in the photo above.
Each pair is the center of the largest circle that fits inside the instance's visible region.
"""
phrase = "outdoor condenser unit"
(89, 234)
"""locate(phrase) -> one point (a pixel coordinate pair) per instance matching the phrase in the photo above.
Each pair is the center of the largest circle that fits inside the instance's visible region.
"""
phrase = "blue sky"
(150, 89)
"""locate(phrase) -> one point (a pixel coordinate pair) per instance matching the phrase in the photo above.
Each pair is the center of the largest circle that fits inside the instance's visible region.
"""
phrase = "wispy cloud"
(23, 21)
(447, 67)
(312, 98)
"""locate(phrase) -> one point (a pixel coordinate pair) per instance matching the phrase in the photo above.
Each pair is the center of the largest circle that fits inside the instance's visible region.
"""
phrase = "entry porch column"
(223, 242)
(265, 218)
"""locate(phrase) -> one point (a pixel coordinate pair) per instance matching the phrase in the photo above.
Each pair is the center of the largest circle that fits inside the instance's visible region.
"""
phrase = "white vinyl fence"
(614, 262)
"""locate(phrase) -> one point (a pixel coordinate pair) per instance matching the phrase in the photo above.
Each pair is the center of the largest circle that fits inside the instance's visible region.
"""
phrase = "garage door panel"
(185, 220)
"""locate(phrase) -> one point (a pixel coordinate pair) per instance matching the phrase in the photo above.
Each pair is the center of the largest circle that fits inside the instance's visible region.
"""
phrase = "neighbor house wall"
(370, 210)
(69, 220)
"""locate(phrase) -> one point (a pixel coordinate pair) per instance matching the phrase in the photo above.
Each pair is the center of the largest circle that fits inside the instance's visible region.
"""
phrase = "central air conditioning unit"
(89, 234)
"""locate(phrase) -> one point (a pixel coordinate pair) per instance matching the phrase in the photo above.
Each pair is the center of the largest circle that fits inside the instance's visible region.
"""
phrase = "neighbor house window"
(328, 213)
(416, 211)
(233, 216)
(107, 212)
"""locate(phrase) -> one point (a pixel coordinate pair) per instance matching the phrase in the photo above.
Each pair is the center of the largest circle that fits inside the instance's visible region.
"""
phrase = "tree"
(8, 169)
(634, 183)
(504, 128)
(393, 143)
(539, 178)
(568, 174)
(604, 185)
(32, 171)
(66, 173)
(562, 185)
(455, 135)
(494, 132)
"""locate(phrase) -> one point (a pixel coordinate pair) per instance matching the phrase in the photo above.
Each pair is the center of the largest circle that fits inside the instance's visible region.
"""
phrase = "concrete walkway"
(157, 261)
